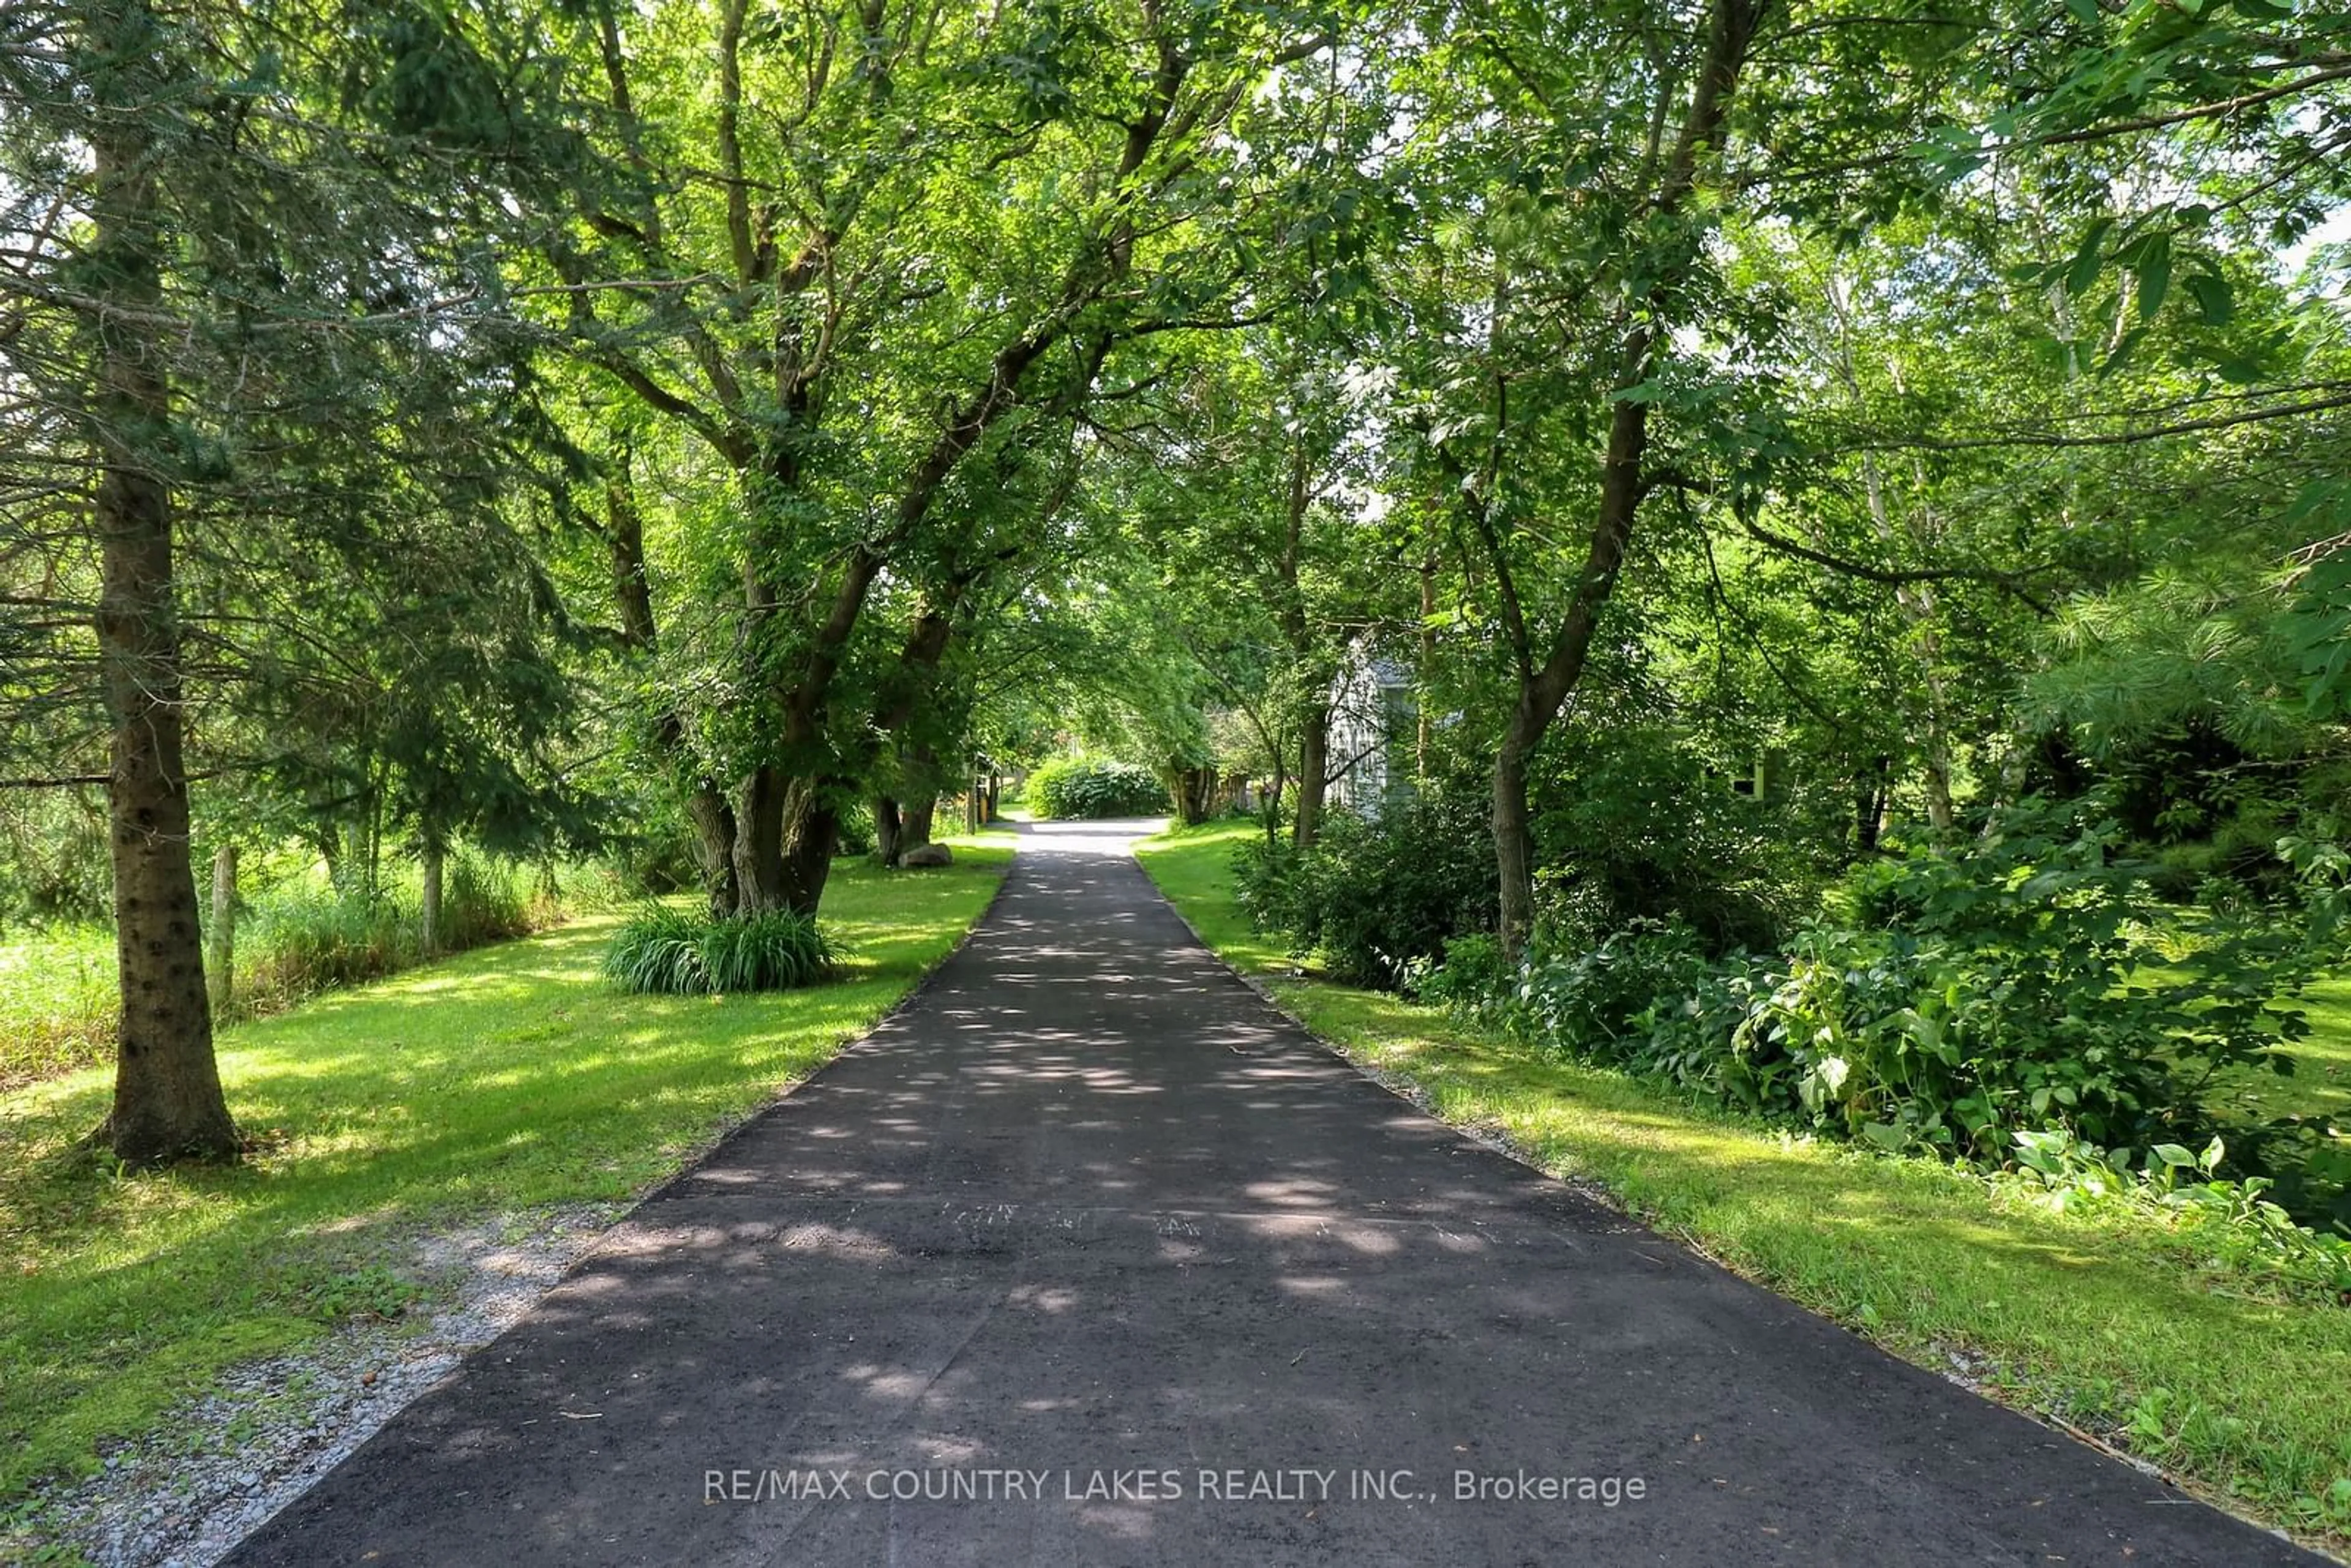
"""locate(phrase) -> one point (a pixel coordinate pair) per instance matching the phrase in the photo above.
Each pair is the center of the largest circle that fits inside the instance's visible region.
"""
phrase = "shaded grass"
(2091, 1320)
(508, 1078)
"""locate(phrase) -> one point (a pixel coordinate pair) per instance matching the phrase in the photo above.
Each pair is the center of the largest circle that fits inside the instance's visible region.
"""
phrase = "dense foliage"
(1643, 497)
(1376, 898)
(1958, 1000)
(1090, 788)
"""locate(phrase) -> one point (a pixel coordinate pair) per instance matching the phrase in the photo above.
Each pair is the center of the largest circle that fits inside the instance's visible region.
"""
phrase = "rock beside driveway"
(926, 855)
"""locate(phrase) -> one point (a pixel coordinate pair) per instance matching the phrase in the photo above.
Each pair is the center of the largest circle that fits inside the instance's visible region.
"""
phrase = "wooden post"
(220, 931)
(431, 910)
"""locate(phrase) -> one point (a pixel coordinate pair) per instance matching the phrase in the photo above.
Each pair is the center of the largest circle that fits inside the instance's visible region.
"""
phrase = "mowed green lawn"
(2106, 1326)
(2321, 1084)
(508, 1078)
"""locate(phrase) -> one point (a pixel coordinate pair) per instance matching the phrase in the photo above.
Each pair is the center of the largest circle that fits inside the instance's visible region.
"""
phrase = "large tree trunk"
(812, 834)
(220, 931)
(885, 830)
(167, 1093)
(714, 847)
(1514, 850)
(915, 819)
(918, 812)
(1313, 773)
(785, 838)
(1541, 692)
(1194, 791)
(1730, 28)
(759, 875)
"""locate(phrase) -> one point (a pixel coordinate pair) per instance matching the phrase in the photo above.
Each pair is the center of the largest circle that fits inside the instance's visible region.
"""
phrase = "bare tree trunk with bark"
(1313, 773)
(168, 1104)
(915, 819)
(759, 841)
(811, 832)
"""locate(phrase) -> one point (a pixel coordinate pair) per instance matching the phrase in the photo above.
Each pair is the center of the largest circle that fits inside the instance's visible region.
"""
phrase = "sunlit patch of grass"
(507, 1078)
(2086, 1318)
(2321, 1083)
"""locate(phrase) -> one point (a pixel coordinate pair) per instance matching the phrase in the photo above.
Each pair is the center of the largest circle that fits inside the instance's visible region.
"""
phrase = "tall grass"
(668, 952)
(305, 942)
(58, 1001)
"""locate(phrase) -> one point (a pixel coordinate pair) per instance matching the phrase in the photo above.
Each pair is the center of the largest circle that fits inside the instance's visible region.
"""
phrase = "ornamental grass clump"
(670, 952)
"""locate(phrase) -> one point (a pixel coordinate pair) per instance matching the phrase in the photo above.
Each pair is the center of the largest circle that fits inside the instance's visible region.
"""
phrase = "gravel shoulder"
(232, 1456)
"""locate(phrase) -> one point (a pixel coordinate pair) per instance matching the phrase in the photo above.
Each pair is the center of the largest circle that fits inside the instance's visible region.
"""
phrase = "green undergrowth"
(2109, 1323)
(295, 939)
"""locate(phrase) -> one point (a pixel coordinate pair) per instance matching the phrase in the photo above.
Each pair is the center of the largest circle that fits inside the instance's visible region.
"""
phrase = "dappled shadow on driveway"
(1087, 1206)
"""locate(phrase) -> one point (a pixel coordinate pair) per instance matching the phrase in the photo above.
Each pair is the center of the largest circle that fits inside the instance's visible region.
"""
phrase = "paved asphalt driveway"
(1087, 1256)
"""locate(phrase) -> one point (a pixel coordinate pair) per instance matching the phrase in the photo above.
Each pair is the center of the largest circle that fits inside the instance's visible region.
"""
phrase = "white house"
(1373, 728)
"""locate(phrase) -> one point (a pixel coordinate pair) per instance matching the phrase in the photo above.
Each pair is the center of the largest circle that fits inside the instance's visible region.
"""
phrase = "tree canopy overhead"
(1743, 429)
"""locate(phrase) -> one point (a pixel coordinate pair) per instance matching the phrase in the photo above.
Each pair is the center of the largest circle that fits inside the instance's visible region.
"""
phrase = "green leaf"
(2154, 276)
(2173, 1155)
(2087, 260)
(2215, 301)
(2123, 350)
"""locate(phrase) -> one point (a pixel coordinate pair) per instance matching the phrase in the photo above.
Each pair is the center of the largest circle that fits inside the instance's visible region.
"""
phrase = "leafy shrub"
(1379, 900)
(1630, 824)
(855, 832)
(670, 952)
(1473, 974)
(2230, 1222)
(1976, 994)
(1090, 788)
